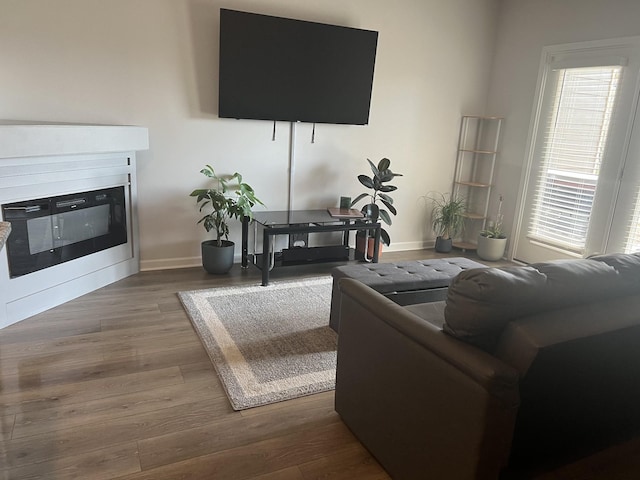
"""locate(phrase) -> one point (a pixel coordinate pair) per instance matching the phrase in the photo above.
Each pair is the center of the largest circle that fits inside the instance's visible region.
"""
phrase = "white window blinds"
(575, 137)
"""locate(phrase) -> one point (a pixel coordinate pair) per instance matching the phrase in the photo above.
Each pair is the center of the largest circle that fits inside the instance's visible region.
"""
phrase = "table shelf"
(301, 222)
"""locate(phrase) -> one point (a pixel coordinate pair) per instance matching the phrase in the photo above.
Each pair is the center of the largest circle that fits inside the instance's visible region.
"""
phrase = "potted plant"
(378, 182)
(229, 197)
(492, 241)
(447, 217)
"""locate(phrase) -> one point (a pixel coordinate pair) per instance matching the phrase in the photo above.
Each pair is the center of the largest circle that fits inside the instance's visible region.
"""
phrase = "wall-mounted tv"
(274, 68)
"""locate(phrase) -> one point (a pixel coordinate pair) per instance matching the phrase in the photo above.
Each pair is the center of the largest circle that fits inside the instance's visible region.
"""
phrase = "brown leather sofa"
(520, 369)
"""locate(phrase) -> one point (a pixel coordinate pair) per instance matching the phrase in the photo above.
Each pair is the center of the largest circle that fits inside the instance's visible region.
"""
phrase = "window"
(575, 139)
(579, 193)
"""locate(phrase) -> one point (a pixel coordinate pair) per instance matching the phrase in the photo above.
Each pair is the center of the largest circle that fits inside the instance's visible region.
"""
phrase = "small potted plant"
(492, 241)
(378, 182)
(447, 219)
(229, 197)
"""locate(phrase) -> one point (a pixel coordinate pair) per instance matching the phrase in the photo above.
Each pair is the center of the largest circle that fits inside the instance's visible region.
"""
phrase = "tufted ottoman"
(406, 283)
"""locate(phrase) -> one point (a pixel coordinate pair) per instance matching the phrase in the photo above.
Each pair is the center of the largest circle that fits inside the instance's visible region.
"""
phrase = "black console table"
(300, 222)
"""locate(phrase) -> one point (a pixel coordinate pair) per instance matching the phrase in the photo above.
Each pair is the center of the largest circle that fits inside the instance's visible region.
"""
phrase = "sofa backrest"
(481, 302)
(579, 368)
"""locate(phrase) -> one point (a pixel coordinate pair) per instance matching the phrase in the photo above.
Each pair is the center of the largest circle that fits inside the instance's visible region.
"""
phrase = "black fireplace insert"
(49, 231)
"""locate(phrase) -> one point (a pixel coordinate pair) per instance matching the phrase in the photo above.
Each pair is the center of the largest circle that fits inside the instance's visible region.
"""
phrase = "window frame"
(623, 51)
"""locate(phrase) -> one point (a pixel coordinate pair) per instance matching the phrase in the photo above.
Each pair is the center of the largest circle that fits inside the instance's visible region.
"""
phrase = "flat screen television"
(274, 68)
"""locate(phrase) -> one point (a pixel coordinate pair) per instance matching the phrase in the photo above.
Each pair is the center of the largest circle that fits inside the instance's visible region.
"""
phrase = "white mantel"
(47, 159)
(42, 139)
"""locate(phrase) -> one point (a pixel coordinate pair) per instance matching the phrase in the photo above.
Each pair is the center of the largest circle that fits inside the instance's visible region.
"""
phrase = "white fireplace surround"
(42, 160)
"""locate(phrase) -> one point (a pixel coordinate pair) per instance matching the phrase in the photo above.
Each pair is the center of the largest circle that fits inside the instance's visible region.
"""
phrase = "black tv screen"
(274, 68)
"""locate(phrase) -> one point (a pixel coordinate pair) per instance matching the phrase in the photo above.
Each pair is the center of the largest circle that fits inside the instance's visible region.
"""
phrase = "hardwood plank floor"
(116, 385)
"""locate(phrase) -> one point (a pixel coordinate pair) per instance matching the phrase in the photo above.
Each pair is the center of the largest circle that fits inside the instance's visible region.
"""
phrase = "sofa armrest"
(422, 402)
(494, 375)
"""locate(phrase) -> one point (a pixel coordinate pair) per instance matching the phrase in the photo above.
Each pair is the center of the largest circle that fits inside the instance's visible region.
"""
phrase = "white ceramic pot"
(491, 249)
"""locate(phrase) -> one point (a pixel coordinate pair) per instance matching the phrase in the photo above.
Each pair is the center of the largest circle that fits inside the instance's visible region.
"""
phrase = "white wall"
(524, 28)
(154, 63)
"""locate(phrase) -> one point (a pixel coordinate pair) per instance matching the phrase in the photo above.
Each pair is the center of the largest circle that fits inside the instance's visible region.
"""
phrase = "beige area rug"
(268, 344)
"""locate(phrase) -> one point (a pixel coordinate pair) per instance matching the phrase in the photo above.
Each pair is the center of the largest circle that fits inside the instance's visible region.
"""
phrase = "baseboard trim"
(170, 263)
(190, 262)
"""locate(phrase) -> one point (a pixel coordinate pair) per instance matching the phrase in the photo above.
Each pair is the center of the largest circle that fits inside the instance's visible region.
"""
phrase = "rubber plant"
(378, 182)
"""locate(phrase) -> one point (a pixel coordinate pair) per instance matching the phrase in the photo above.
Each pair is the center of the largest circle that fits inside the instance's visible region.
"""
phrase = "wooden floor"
(116, 384)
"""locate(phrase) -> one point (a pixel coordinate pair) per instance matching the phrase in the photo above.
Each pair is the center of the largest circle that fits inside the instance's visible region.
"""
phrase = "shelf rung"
(474, 184)
(486, 152)
(474, 216)
(483, 117)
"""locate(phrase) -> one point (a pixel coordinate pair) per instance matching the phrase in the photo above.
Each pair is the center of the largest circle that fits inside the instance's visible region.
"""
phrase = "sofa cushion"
(480, 302)
(627, 265)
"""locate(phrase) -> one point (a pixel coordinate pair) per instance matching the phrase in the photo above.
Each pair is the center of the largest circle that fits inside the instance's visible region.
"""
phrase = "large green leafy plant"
(382, 174)
(228, 197)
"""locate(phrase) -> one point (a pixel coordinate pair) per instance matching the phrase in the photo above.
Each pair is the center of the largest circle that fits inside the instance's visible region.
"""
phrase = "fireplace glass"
(49, 231)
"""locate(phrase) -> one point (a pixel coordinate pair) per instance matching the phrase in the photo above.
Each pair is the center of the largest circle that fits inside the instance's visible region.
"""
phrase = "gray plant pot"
(217, 260)
(443, 245)
(491, 249)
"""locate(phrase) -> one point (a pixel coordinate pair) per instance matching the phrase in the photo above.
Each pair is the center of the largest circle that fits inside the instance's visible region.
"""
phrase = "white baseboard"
(404, 246)
(189, 262)
(171, 263)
